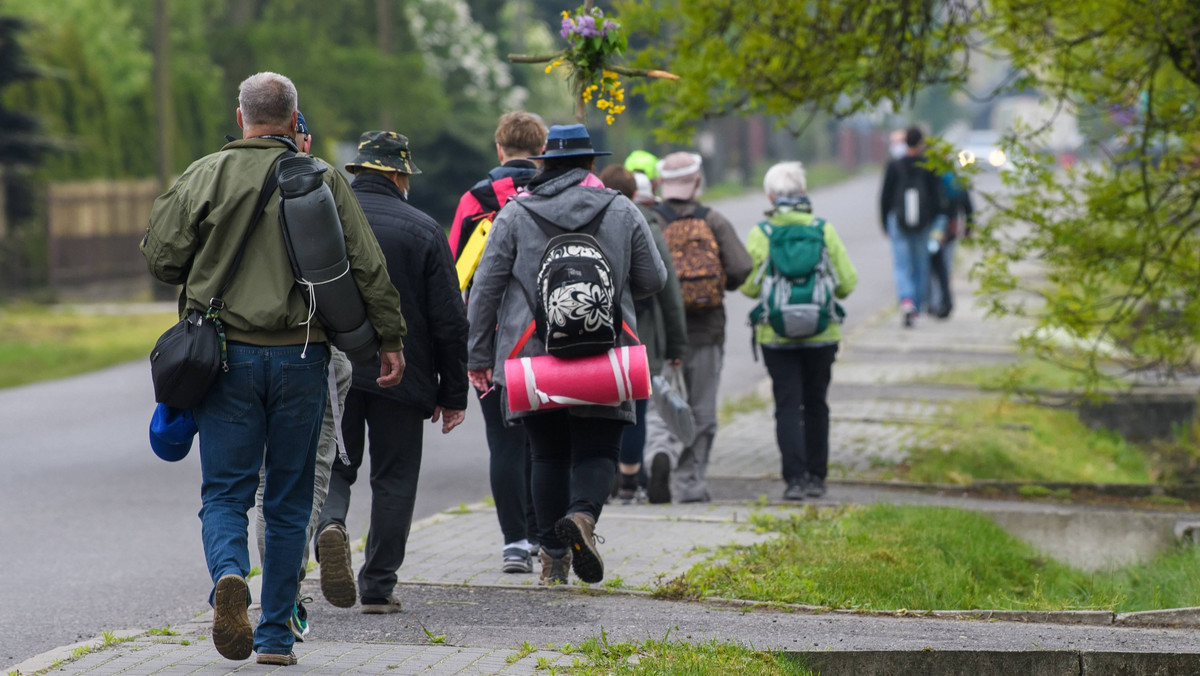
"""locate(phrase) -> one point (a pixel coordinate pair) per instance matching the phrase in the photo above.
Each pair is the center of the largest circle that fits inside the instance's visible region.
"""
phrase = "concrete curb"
(50, 658)
(931, 662)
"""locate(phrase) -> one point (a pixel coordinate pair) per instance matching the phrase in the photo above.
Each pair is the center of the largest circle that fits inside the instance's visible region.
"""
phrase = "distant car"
(982, 147)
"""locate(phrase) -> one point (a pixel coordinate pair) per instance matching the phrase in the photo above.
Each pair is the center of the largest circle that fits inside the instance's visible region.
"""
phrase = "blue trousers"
(271, 397)
(910, 261)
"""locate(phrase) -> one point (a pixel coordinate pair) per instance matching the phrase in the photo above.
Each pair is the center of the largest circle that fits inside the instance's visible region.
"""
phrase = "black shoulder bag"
(188, 357)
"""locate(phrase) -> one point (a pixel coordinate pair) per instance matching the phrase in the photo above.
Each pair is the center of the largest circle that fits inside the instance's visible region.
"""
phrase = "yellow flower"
(549, 68)
(619, 95)
(609, 119)
(602, 104)
(565, 15)
(609, 74)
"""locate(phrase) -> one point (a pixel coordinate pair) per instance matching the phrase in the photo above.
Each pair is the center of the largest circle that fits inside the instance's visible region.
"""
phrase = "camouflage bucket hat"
(383, 151)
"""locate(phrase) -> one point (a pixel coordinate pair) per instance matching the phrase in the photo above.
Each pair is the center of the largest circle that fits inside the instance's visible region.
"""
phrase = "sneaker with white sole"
(517, 559)
(372, 605)
(277, 659)
(337, 577)
(298, 621)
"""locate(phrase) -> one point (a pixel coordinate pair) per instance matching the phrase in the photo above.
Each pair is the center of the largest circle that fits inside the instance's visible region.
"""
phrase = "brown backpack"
(697, 258)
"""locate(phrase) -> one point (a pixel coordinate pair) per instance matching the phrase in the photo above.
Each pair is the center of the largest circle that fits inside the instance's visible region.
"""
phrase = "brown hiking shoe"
(577, 532)
(554, 570)
(232, 635)
(337, 577)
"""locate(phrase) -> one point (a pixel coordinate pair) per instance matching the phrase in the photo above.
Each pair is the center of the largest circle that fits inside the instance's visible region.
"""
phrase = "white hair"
(785, 179)
(267, 99)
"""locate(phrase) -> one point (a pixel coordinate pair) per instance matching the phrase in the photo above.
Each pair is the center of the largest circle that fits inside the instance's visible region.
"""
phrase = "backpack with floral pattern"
(577, 311)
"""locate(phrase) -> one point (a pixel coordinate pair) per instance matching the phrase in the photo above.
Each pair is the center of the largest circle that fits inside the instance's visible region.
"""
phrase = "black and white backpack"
(577, 309)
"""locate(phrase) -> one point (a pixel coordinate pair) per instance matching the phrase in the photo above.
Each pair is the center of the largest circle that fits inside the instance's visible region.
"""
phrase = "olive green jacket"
(758, 244)
(197, 225)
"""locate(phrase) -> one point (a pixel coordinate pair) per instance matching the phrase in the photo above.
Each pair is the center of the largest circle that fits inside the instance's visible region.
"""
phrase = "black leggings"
(574, 460)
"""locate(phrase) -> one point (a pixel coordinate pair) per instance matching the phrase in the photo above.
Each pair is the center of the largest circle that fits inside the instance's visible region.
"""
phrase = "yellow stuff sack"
(472, 252)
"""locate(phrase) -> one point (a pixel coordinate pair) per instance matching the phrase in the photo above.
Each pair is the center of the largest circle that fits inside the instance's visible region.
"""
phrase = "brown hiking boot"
(577, 532)
(231, 632)
(554, 570)
(337, 577)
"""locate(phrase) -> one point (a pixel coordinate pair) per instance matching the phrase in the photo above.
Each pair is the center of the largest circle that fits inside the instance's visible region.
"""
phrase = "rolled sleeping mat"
(317, 248)
(537, 383)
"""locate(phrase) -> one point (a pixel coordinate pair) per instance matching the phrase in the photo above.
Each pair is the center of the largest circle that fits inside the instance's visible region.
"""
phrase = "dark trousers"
(395, 432)
(800, 383)
(574, 460)
(939, 267)
(633, 438)
(509, 470)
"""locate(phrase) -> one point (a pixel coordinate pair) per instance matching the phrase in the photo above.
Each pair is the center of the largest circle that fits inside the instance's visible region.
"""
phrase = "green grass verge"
(597, 656)
(38, 344)
(1028, 375)
(884, 557)
(1009, 441)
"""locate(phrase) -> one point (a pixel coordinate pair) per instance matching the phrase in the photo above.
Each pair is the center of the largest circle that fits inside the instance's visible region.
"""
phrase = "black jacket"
(419, 263)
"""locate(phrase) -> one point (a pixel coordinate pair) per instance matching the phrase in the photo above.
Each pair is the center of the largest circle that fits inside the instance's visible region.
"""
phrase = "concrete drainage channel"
(988, 662)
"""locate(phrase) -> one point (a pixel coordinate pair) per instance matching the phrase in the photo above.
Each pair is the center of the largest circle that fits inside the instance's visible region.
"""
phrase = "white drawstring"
(312, 304)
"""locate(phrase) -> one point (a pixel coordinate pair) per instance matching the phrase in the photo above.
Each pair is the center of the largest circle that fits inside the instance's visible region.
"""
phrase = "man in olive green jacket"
(273, 392)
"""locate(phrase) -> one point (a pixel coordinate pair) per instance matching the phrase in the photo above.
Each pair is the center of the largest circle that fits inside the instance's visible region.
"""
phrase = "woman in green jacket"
(800, 368)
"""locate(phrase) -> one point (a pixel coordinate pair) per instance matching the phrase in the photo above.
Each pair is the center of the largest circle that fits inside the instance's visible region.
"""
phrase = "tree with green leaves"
(22, 147)
(1118, 235)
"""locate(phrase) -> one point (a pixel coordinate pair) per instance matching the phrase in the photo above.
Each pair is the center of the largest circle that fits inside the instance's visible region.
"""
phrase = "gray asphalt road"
(97, 534)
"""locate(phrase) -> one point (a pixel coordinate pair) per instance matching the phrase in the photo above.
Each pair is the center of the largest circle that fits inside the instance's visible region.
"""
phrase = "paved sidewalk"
(463, 616)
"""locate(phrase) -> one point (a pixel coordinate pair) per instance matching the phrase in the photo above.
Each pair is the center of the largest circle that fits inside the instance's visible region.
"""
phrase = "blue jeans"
(910, 256)
(273, 398)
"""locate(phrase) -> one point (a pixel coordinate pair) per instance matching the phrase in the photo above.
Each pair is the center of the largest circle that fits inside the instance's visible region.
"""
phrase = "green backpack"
(798, 280)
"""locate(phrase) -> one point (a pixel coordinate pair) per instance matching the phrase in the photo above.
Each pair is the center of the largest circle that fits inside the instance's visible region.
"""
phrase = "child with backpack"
(801, 270)
(563, 264)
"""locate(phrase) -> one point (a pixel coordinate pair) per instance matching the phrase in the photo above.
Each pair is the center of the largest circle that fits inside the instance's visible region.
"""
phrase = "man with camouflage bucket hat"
(434, 388)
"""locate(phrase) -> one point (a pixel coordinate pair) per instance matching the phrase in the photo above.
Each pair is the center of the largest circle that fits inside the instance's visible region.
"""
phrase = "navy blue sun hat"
(568, 140)
(171, 432)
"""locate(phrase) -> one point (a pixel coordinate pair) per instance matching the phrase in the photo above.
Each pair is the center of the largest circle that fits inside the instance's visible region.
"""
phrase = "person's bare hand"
(451, 418)
(676, 363)
(481, 379)
(391, 369)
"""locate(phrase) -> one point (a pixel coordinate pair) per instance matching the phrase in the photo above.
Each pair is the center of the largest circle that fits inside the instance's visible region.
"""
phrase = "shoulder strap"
(700, 212)
(666, 212)
(264, 195)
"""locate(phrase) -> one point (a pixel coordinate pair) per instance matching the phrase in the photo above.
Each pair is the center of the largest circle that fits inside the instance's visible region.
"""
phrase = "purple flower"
(609, 25)
(568, 27)
(587, 27)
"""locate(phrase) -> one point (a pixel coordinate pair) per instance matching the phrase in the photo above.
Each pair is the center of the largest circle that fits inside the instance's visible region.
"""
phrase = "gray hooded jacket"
(504, 282)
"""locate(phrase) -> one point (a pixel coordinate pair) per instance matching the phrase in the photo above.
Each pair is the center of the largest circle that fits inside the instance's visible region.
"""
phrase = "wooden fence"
(93, 231)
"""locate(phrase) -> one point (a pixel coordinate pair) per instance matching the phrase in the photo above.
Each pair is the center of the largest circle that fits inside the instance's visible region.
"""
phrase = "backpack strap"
(528, 333)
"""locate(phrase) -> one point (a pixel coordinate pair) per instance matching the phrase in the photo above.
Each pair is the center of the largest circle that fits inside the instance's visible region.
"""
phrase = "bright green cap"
(640, 160)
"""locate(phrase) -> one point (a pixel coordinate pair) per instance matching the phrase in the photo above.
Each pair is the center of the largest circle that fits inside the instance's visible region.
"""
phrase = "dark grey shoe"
(794, 491)
(815, 487)
(658, 490)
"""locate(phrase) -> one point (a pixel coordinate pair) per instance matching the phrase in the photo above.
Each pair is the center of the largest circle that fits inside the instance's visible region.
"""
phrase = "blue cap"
(568, 140)
(171, 432)
(301, 125)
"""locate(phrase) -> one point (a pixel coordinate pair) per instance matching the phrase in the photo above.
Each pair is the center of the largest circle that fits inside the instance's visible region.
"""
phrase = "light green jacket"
(757, 245)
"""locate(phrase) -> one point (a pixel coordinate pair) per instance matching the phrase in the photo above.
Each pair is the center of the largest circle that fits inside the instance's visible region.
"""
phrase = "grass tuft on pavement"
(884, 557)
(37, 343)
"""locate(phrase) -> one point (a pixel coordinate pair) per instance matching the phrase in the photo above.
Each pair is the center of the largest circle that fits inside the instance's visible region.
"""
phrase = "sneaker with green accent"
(298, 622)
